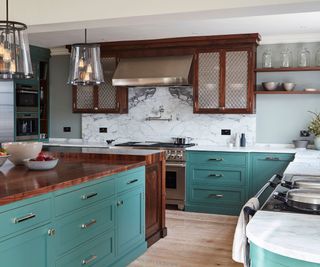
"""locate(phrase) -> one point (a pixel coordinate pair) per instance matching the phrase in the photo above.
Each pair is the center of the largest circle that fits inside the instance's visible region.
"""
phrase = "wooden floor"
(194, 240)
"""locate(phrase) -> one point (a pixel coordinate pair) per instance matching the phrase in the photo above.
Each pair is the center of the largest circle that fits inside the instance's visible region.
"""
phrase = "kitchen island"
(283, 238)
(89, 209)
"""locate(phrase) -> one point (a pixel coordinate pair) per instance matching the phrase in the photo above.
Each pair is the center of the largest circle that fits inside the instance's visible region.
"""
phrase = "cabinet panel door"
(83, 98)
(29, 249)
(208, 80)
(236, 88)
(264, 166)
(130, 220)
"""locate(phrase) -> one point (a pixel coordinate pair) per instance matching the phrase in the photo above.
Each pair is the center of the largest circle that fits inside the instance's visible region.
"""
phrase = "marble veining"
(177, 102)
(287, 234)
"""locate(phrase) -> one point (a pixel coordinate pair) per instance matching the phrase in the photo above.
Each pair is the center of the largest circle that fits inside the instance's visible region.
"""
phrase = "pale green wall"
(61, 101)
(281, 117)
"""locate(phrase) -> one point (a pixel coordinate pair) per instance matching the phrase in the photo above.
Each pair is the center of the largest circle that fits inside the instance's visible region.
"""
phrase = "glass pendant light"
(15, 61)
(85, 65)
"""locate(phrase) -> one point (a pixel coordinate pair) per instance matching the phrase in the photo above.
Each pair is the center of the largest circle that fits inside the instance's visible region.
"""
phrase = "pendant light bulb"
(6, 55)
(89, 68)
(81, 62)
(1, 49)
(86, 77)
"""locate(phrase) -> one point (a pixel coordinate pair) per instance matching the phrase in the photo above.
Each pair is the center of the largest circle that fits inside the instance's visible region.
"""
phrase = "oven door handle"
(27, 92)
(176, 165)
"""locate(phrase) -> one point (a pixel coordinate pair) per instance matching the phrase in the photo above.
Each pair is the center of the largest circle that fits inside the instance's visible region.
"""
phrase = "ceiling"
(276, 21)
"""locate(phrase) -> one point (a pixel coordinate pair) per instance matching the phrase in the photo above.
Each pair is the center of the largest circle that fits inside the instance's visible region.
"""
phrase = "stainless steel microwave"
(27, 98)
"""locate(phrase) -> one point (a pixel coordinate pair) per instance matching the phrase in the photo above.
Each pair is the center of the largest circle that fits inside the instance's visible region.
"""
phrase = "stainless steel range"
(175, 168)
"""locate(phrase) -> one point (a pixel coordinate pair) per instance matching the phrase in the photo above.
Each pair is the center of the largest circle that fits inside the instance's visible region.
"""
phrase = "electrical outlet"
(103, 130)
(225, 132)
(67, 129)
(304, 133)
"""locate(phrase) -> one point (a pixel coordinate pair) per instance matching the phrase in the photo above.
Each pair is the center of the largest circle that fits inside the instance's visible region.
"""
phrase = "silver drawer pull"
(272, 158)
(215, 175)
(215, 196)
(87, 225)
(90, 195)
(132, 181)
(89, 260)
(24, 218)
(216, 159)
(119, 203)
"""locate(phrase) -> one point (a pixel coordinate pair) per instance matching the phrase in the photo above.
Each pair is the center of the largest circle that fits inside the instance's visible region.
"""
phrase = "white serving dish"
(270, 86)
(41, 165)
(19, 151)
(3, 159)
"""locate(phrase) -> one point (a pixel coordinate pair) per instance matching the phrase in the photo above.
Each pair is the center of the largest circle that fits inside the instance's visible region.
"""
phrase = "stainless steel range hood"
(148, 71)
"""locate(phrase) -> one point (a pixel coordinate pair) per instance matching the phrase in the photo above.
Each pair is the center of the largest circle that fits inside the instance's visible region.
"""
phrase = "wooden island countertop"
(78, 165)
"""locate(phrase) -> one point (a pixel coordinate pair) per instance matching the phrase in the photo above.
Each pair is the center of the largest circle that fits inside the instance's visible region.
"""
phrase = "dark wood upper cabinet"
(224, 80)
(103, 98)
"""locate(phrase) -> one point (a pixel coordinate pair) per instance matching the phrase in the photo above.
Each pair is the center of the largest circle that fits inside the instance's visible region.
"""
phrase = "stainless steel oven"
(27, 126)
(175, 183)
(27, 98)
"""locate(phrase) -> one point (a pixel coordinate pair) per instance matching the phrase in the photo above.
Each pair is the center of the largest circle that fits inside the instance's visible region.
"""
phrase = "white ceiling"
(298, 21)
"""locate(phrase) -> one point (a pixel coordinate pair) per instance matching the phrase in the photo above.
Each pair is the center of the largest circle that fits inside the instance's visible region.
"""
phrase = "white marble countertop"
(290, 234)
(74, 143)
(287, 234)
(263, 148)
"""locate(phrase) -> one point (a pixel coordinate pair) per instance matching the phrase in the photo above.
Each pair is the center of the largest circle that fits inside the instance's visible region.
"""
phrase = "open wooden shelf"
(314, 68)
(301, 92)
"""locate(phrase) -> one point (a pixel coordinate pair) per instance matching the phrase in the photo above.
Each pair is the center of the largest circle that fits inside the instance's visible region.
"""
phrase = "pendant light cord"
(7, 10)
(85, 34)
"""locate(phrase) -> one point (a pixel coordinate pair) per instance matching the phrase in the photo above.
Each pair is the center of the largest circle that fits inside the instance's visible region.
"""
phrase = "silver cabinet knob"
(51, 232)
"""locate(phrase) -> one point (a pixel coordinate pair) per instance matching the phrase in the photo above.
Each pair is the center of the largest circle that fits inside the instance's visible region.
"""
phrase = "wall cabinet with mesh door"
(103, 98)
(224, 80)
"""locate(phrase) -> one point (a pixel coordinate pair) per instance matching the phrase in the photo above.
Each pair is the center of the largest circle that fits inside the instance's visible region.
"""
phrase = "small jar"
(304, 58)
(286, 58)
(267, 59)
(318, 58)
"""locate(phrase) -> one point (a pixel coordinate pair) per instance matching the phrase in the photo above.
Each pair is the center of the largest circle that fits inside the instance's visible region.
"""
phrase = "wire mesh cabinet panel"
(208, 94)
(224, 81)
(103, 98)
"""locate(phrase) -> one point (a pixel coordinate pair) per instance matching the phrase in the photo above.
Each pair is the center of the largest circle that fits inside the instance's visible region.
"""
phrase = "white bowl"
(20, 151)
(270, 86)
(288, 86)
(41, 165)
(3, 159)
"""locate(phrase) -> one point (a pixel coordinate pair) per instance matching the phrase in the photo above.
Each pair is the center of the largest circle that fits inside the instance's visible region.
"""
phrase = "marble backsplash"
(174, 104)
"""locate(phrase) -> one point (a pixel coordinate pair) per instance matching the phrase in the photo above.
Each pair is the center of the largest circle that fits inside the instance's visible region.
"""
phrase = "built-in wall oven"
(27, 98)
(27, 126)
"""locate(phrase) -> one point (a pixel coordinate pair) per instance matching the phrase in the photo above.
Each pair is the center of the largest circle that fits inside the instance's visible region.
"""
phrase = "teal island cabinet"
(97, 223)
(221, 182)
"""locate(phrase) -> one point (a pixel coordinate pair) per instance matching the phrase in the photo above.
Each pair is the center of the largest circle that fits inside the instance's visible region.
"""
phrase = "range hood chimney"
(151, 71)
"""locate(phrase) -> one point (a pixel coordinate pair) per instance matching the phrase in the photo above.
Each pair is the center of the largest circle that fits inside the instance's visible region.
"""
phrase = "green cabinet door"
(28, 249)
(263, 167)
(130, 220)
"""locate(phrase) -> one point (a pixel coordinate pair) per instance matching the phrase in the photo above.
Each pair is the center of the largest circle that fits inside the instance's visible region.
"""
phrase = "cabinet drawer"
(130, 180)
(25, 217)
(218, 176)
(272, 157)
(79, 227)
(218, 158)
(92, 253)
(85, 196)
(217, 196)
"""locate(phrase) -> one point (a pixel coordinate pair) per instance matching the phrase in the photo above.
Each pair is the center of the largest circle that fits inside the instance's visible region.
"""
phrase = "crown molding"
(59, 51)
(290, 38)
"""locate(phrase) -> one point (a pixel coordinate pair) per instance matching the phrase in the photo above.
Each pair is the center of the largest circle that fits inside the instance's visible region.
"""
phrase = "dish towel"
(240, 250)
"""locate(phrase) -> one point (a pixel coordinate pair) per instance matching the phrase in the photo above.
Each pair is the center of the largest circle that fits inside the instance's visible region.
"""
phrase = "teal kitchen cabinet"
(263, 258)
(263, 167)
(217, 182)
(96, 223)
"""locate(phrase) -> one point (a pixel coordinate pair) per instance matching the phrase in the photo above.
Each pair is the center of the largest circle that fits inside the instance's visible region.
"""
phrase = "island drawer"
(86, 195)
(79, 227)
(91, 253)
(218, 176)
(130, 179)
(217, 158)
(25, 217)
(217, 196)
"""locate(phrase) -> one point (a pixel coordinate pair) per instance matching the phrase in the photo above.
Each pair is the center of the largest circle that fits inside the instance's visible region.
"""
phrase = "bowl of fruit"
(3, 156)
(42, 162)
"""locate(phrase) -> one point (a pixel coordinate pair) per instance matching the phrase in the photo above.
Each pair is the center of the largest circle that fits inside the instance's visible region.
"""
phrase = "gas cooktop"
(155, 144)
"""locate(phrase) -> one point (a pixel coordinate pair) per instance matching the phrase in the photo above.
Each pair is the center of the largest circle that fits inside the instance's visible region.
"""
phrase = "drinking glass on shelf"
(286, 58)
(267, 59)
(318, 58)
(304, 58)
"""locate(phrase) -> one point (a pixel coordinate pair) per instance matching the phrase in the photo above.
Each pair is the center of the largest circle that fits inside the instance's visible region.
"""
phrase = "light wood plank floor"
(194, 240)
